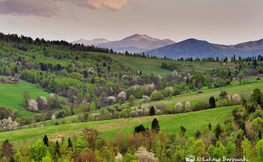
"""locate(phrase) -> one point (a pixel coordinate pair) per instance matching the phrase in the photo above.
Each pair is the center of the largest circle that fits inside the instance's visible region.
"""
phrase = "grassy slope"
(11, 96)
(154, 65)
(194, 97)
(192, 121)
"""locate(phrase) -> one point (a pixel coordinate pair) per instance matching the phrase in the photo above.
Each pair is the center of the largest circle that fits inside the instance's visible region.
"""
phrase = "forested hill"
(72, 71)
(21, 41)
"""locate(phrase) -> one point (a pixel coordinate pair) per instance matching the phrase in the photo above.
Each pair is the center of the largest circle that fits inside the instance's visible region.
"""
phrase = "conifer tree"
(152, 112)
(69, 143)
(45, 140)
(155, 125)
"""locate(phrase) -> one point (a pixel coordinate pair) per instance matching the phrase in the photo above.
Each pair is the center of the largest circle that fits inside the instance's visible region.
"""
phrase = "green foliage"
(218, 130)
(257, 94)
(259, 148)
(223, 94)
(131, 100)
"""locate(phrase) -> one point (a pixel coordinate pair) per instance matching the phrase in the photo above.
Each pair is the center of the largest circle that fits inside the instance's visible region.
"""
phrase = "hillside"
(203, 49)
(134, 43)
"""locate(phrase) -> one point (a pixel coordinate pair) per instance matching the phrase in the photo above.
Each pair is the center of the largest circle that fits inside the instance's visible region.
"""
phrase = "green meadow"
(11, 96)
(154, 65)
(192, 121)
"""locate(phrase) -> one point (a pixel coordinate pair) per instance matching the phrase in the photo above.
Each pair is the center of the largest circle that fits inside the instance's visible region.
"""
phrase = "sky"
(217, 21)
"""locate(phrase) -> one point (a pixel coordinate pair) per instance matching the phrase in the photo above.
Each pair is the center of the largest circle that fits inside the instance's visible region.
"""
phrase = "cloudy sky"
(217, 21)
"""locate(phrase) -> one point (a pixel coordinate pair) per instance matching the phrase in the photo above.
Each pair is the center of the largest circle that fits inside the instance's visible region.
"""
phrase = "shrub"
(64, 122)
(159, 113)
(223, 94)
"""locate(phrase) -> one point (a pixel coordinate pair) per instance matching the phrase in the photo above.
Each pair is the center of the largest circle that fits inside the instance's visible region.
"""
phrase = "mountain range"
(187, 48)
(135, 43)
(199, 48)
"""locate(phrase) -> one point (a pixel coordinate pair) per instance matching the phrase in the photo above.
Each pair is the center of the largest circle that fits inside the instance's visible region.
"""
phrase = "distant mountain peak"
(134, 43)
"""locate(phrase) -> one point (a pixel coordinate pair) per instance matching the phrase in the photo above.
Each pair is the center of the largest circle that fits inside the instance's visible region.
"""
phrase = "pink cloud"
(102, 4)
(49, 8)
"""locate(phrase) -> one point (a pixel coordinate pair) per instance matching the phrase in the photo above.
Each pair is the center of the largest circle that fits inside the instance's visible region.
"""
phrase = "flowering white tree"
(8, 124)
(154, 92)
(178, 105)
(145, 156)
(44, 100)
(112, 100)
(52, 97)
(228, 98)
(32, 105)
(174, 73)
(119, 157)
(187, 105)
(122, 95)
(159, 78)
(145, 98)
(169, 88)
(53, 117)
(134, 114)
(236, 99)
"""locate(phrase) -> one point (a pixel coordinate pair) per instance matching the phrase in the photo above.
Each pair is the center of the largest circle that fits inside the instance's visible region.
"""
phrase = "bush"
(38, 86)
(56, 123)
(223, 94)
(64, 122)
(159, 113)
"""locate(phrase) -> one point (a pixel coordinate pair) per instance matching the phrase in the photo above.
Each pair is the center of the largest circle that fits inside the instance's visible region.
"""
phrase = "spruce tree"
(212, 102)
(152, 111)
(45, 140)
(210, 126)
(139, 129)
(259, 100)
(155, 125)
(69, 143)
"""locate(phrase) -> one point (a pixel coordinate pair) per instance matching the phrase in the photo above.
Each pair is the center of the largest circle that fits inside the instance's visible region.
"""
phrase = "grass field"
(195, 97)
(11, 96)
(154, 65)
(192, 121)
